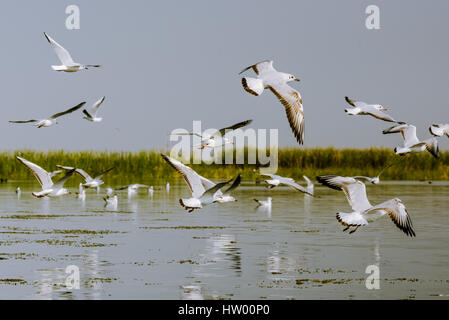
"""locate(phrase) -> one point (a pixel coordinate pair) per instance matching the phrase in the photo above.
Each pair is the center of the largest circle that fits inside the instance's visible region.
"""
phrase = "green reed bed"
(293, 162)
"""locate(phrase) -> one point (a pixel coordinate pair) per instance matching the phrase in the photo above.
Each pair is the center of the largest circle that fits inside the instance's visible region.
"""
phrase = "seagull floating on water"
(49, 189)
(203, 190)
(269, 78)
(278, 180)
(81, 194)
(362, 108)
(132, 188)
(212, 140)
(363, 212)
(411, 142)
(92, 114)
(52, 119)
(111, 202)
(89, 181)
(68, 65)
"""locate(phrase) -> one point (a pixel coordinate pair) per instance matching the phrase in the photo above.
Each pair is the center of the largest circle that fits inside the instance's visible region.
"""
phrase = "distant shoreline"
(292, 162)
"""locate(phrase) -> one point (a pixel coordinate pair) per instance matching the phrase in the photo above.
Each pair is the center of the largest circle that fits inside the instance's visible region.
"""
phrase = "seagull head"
(380, 108)
(291, 77)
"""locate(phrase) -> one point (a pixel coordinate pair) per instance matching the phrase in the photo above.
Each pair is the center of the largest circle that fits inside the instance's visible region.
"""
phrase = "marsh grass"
(293, 162)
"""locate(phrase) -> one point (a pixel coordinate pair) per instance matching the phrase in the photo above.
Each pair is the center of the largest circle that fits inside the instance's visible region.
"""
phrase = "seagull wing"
(261, 67)
(103, 173)
(81, 172)
(432, 147)
(60, 182)
(398, 213)
(355, 103)
(408, 132)
(63, 54)
(234, 185)
(295, 186)
(96, 105)
(291, 100)
(23, 121)
(354, 190)
(88, 115)
(223, 131)
(215, 188)
(439, 130)
(378, 114)
(192, 178)
(42, 176)
(57, 115)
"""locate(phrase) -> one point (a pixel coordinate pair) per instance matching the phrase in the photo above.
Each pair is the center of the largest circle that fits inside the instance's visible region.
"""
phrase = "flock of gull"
(205, 192)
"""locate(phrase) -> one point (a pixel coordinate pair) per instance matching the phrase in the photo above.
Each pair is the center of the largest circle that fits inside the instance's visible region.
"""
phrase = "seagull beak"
(296, 79)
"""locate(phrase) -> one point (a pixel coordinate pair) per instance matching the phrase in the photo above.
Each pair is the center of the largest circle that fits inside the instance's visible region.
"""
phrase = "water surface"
(151, 248)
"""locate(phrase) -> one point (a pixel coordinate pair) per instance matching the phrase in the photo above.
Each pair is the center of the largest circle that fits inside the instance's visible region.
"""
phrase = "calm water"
(153, 249)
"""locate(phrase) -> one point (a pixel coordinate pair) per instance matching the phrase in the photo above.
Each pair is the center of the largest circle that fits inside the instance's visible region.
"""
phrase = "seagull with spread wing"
(49, 189)
(362, 108)
(52, 119)
(363, 212)
(90, 182)
(310, 187)
(203, 190)
(439, 130)
(133, 188)
(92, 114)
(68, 65)
(278, 180)
(277, 82)
(212, 140)
(411, 141)
(226, 196)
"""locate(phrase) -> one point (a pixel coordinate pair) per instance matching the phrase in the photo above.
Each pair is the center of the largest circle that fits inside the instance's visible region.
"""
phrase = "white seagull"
(264, 203)
(439, 130)
(363, 212)
(150, 191)
(373, 180)
(411, 142)
(81, 194)
(109, 191)
(278, 180)
(92, 114)
(269, 78)
(49, 189)
(226, 196)
(212, 140)
(310, 186)
(68, 65)
(111, 202)
(52, 119)
(132, 188)
(89, 181)
(362, 108)
(204, 191)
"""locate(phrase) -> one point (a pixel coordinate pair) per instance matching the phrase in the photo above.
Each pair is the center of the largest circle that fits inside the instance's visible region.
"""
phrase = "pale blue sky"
(167, 63)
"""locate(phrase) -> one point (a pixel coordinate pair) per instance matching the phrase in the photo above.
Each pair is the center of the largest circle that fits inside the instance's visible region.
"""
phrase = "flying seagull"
(310, 186)
(49, 189)
(363, 212)
(269, 78)
(89, 181)
(52, 119)
(68, 65)
(111, 202)
(226, 196)
(92, 115)
(132, 188)
(204, 191)
(278, 180)
(439, 130)
(376, 179)
(362, 108)
(411, 142)
(264, 203)
(212, 140)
